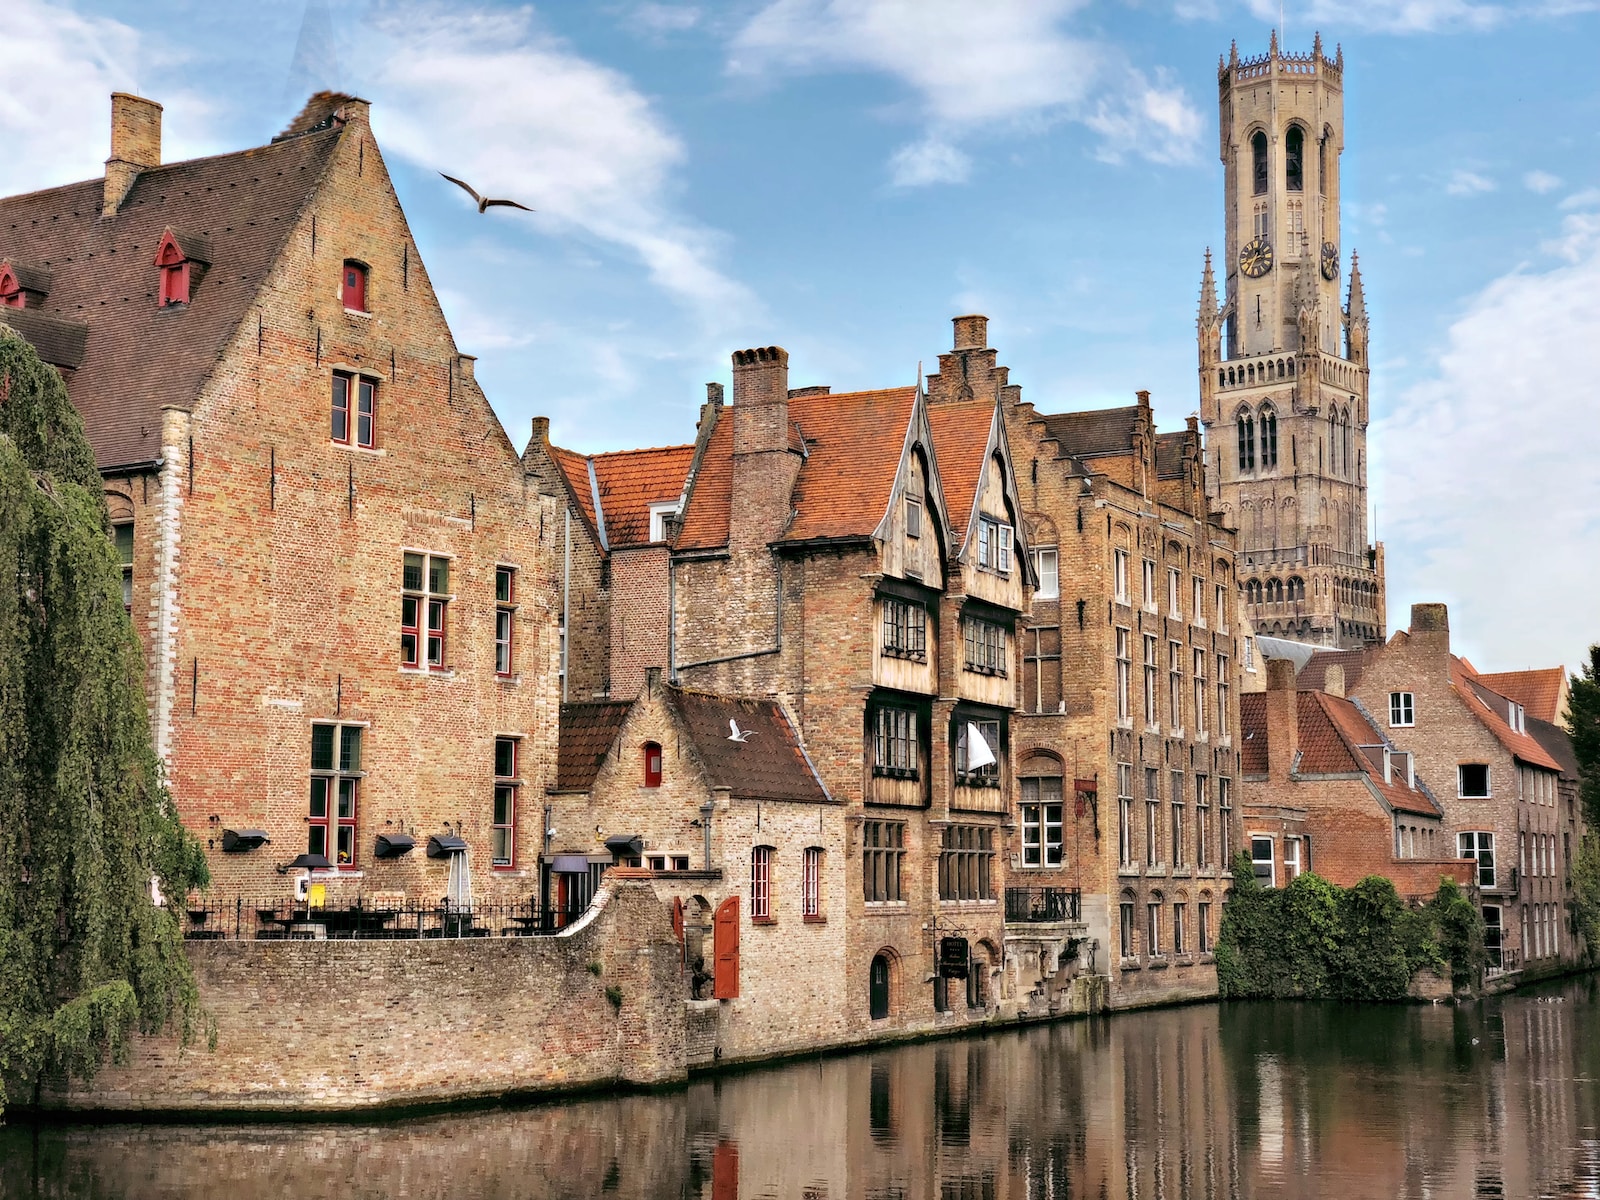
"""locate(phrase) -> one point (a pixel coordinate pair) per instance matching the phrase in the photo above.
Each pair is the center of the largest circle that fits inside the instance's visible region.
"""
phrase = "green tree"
(86, 956)
(1459, 927)
(1583, 722)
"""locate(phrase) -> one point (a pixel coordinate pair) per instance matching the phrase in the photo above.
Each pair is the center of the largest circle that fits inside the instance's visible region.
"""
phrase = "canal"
(1495, 1099)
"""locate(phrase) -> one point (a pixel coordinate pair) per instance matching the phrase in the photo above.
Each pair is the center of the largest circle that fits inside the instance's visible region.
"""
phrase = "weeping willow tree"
(86, 955)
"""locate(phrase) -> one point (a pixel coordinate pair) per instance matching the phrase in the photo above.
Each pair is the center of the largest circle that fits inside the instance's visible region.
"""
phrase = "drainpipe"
(706, 810)
(566, 603)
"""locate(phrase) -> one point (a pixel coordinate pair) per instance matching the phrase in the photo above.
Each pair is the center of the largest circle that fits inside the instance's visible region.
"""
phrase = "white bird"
(484, 202)
(735, 734)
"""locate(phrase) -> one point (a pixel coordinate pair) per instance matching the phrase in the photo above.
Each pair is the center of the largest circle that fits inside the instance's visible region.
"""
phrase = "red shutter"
(725, 1171)
(725, 943)
(677, 918)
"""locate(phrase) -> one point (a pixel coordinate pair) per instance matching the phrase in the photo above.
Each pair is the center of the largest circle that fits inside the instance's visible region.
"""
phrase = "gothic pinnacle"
(1208, 293)
(1356, 310)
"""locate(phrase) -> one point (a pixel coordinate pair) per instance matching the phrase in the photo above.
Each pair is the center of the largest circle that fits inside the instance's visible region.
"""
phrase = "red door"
(725, 943)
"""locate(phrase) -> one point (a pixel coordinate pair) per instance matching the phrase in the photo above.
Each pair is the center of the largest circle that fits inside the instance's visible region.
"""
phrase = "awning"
(393, 845)
(241, 840)
(570, 864)
(442, 845)
(625, 843)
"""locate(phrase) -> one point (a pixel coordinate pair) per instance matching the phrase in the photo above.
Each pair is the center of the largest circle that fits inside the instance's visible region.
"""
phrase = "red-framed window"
(652, 764)
(353, 286)
(761, 883)
(354, 410)
(11, 294)
(506, 783)
(505, 599)
(174, 268)
(811, 884)
(336, 776)
(424, 601)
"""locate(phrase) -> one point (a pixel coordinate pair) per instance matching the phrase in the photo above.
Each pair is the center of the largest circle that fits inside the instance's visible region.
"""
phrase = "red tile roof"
(705, 517)
(1313, 676)
(768, 765)
(1539, 692)
(630, 481)
(137, 357)
(960, 436)
(587, 733)
(574, 468)
(1253, 733)
(1492, 710)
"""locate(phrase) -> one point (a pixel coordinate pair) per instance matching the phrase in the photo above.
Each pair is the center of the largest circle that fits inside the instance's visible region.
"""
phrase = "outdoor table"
(197, 930)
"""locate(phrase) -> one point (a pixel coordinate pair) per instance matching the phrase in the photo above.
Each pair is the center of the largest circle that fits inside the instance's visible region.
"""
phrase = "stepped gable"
(1541, 692)
(960, 438)
(1493, 710)
(588, 730)
(136, 357)
(770, 765)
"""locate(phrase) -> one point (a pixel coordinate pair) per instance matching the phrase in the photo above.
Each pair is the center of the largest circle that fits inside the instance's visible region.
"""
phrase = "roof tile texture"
(587, 732)
(1539, 692)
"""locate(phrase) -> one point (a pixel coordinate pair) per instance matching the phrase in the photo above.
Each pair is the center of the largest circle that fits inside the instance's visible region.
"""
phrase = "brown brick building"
(338, 569)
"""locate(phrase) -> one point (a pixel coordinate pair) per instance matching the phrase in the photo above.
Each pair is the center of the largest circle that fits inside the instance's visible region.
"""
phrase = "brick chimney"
(135, 146)
(1333, 681)
(764, 466)
(541, 431)
(1283, 719)
(972, 332)
(1430, 627)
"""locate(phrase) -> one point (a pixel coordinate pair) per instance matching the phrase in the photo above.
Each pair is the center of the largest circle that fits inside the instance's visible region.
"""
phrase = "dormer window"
(994, 545)
(174, 267)
(11, 295)
(660, 514)
(353, 287)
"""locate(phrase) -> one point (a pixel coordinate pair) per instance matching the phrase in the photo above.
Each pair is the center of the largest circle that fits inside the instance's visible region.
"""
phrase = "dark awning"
(570, 864)
(393, 845)
(237, 841)
(625, 843)
(311, 862)
(442, 845)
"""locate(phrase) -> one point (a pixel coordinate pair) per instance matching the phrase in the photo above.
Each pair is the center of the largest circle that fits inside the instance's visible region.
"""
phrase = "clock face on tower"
(1255, 260)
(1330, 261)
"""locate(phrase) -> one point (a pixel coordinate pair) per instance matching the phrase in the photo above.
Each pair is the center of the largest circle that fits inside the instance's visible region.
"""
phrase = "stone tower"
(1283, 367)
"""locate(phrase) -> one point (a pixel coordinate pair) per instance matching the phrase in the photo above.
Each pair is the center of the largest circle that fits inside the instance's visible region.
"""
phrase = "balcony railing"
(1041, 904)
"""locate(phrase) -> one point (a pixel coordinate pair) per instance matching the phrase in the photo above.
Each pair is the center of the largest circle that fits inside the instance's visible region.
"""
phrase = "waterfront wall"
(343, 1025)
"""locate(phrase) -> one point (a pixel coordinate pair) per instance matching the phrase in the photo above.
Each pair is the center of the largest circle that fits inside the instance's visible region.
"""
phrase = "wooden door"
(880, 988)
(725, 948)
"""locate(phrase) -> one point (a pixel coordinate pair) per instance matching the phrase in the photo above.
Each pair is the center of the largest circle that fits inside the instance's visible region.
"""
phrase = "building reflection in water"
(1207, 1102)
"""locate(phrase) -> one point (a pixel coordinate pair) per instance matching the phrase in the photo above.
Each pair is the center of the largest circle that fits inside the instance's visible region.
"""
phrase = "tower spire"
(1356, 311)
(1208, 294)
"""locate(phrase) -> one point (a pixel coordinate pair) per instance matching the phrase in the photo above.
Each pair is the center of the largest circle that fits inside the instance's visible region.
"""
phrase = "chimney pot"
(972, 332)
(713, 393)
(541, 431)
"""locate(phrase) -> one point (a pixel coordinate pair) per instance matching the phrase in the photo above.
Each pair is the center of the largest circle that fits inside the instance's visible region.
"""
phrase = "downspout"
(566, 601)
(672, 619)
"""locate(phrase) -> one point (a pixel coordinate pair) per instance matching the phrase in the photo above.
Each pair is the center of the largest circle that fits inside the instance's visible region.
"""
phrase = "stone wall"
(342, 1025)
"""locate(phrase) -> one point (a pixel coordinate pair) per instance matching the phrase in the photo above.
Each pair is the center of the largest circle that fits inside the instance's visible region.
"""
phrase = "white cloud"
(929, 161)
(1588, 198)
(1468, 183)
(1541, 181)
(1518, 478)
(1011, 66)
(488, 97)
(1409, 16)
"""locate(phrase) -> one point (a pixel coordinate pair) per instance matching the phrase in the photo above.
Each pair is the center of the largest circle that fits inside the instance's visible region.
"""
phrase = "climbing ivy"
(1316, 940)
(86, 955)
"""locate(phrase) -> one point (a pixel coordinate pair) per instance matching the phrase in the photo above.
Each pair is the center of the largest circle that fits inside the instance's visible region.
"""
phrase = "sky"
(841, 177)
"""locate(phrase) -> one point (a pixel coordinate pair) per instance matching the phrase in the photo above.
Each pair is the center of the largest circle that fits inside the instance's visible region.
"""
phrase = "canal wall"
(329, 1026)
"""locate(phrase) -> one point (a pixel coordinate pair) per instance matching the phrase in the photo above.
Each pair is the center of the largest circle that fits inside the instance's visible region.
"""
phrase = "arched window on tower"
(1333, 441)
(1258, 161)
(1247, 442)
(1269, 437)
(1322, 164)
(1294, 145)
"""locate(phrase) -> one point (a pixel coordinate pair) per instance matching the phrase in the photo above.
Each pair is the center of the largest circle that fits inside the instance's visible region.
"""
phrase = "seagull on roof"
(484, 202)
(735, 734)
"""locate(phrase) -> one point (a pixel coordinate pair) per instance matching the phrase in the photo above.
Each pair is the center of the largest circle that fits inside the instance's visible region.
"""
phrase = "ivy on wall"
(86, 825)
(1315, 940)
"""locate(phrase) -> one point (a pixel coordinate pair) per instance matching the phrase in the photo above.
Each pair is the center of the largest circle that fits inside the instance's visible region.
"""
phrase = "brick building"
(1129, 689)
(1323, 789)
(337, 568)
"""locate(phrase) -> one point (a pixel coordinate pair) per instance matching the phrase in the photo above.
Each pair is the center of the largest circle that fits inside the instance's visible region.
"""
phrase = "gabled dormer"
(988, 533)
(912, 534)
(181, 260)
(22, 285)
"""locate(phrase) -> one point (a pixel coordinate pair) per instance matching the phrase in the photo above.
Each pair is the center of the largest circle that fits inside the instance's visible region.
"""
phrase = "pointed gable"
(854, 443)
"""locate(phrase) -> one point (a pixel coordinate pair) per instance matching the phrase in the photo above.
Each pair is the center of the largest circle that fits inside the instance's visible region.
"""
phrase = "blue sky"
(843, 176)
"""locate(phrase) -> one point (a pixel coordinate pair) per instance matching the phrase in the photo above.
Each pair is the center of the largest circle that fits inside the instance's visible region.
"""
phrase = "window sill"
(763, 920)
(375, 451)
(1175, 732)
(916, 656)
(512, 680)
(814, 920)
(1129, 964)
(887, 906)
(358, 312)
(895, 773)
(1183, 960)
(1157, 963)
(1207, 957)
(1181, 873)
(430, 672)
(1047, 595)
(1128, 871)
(980, 782)
(995, 672)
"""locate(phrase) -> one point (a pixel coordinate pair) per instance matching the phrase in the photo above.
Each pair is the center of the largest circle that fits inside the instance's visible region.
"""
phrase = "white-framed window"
(994, 545)
(1202, 819)
(1262, 859)
(1125, 911)
(1178, 924)
(1478, 845)
(1125, 814)
(1225, 822)
(1149, 585)
(1223, 696)
(1222, 608)
(1179, 827)
(1152, 817)
(761, 883)
(1047, 565)
(1402, 709)
(1152, 716)
(1174, 604)
(1249, 654)
(1199, 598)
(1203, 925)
(1175, 685)
(1119, 576)
(1199, 692)
(811, 883)
(1472, 781)
(1153, 929)
(1124, 675)
(1041, 822)
(1291, 858)
(659, 515)
(122, 539)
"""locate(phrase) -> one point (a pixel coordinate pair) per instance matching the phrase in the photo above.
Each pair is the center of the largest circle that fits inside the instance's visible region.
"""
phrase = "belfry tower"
(1283, 367)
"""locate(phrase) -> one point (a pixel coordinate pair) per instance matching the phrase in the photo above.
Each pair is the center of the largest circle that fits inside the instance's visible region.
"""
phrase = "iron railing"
(1039, 904)
(243, 919)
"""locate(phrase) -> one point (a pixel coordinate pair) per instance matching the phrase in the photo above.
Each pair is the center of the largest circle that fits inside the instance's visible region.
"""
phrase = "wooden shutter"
(677, 918)
(725, 943)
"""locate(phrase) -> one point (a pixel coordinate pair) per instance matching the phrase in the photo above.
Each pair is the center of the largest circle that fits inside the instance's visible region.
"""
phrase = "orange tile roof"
(587, 731)
(705, 519)
(1253, 733)
(631, 481)
(1470, 687)
(576, 469)
(960, 436)
(1539, 692)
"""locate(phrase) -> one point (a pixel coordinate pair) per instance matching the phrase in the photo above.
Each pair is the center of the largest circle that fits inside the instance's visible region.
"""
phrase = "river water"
(1498, 1099)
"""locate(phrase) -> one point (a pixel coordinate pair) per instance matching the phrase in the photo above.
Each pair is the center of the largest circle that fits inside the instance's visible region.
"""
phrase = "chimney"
(1430, 626)
(1283, 719)
(466, 366)
(972, 332)
(541, 431)
(1333, 681)
(764, 468)
(135, 146)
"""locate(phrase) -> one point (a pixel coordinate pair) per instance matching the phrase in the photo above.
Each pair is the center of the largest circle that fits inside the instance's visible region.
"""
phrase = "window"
(966, 863)
(505, 597)
(1153, 930)
(365, 393)
(905, 629)
(1124, 672)
(1178, 823)
(1492, 935)
(11, 293)
(1269, 438)
(994, 545)
(1222, 696)
(1174, 607)
(1294, 144)
(122, 540)
(1258, 162)
(985, 645)
(1247, 442)
(1203, 925)
(1119, 576)
(913, 516)
(173, 285)
(1175, 685)
(1199, 599)
(1202, 818)
(502, 828)
(1149, 585)
(1041, 822)
(1128, 949)
(1402, 709)
(1261, 859)
(1225, 822)
(1222, 609)
(660, 514)
(971, 769)
(1125, 813)
(895, 743)
(353, 287)
(667, 862)
(883, 852)
(761, 883)
(652, 764)
(1178, 923)
(1152, 817)
(1151, 716)
(811, 884)
(1199, 693)
(335, 780)
(1047, 565)
(1479, 846)
(1472, 781)
(1291, 859)
(1250, 654)
(425, 594)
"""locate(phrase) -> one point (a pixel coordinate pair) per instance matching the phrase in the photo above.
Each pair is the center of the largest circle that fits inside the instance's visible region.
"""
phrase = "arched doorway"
(880, 986)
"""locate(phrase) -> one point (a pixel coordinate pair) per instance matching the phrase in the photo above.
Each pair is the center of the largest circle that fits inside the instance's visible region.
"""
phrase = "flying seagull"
(735, 734)
(483, 201)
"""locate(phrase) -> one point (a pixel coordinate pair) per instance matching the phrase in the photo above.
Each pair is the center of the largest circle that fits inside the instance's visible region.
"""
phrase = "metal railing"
(243, 919)
(1041, 904)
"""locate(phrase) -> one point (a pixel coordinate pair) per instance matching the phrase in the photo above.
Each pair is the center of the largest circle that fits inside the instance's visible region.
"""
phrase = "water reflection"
(1501, 1099)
